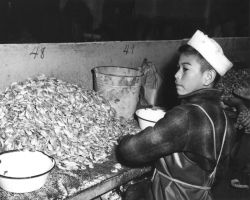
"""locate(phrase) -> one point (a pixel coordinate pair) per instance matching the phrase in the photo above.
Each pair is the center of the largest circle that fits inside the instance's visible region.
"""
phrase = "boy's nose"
(177, 74)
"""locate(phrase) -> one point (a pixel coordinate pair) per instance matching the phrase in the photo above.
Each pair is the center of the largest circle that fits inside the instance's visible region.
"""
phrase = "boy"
(241, 161)
(187, 145)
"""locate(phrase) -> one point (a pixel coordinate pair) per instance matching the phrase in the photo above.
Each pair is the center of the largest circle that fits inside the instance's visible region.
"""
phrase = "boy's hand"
(243, 121)
(246, 123)
(233, 102)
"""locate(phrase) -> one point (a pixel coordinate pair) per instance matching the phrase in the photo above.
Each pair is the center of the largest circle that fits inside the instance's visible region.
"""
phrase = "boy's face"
(189, 77)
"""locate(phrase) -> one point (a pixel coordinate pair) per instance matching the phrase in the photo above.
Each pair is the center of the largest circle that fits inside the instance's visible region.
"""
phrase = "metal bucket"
(120, 86)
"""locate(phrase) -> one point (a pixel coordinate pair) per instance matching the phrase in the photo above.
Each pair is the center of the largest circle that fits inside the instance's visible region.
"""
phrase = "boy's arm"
(167, 136)
(243, 119)
(235, 102)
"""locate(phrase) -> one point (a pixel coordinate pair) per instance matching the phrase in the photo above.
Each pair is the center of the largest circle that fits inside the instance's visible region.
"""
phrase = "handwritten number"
(34, 52)
(38, 51)
(132, 48)
(126, 49)
(129, 49)
(42, 52)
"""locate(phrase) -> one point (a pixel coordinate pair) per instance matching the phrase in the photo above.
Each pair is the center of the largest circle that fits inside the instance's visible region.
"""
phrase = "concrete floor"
(223, 190)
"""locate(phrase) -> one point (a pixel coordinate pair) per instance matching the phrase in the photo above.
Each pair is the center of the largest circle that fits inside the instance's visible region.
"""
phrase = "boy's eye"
(185, 69)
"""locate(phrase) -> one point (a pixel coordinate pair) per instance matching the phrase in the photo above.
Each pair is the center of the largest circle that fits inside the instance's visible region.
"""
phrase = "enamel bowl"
(149, 116)
(24, 171)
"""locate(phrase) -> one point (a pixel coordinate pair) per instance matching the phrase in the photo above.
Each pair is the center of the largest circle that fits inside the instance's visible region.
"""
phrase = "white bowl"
(24, 171)
(149, 116)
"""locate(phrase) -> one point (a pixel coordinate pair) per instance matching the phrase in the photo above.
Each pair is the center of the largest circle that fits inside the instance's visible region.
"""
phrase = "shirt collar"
(210, 94)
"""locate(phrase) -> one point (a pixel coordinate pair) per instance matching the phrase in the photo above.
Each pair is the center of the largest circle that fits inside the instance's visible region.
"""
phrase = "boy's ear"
(209, 77)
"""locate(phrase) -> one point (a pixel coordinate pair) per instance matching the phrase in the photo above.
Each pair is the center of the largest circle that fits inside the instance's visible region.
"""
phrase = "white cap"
(211, 51)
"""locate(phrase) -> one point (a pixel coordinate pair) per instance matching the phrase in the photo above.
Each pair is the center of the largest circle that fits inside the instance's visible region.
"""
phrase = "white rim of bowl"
(28, 177)
(145, 119)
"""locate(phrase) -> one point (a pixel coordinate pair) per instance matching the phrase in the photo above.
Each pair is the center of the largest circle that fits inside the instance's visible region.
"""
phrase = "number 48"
(38, 52)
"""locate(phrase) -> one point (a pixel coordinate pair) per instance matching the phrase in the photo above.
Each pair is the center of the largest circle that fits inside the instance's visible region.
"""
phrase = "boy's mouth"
(177, 84)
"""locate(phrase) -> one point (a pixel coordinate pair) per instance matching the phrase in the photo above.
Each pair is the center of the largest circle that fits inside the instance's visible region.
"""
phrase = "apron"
(171, 171)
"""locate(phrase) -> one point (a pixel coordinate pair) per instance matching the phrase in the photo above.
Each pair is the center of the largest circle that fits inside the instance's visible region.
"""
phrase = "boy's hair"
(188, 50)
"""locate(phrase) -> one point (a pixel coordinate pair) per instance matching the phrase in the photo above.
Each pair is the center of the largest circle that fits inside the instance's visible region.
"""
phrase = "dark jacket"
(184, 129)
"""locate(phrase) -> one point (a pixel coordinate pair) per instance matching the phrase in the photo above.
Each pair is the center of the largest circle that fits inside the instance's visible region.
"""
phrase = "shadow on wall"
(167, 96)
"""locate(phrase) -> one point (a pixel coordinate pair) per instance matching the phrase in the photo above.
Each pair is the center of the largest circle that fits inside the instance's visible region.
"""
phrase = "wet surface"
(224, 191)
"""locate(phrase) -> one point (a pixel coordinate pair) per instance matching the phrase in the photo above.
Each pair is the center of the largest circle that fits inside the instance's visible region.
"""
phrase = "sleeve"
(170, 134)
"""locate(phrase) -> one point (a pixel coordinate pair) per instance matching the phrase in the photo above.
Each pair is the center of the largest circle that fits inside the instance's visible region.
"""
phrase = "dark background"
(36, 21)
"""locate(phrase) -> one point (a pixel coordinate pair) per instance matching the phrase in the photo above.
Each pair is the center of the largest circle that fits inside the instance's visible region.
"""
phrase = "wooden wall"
(73, 62)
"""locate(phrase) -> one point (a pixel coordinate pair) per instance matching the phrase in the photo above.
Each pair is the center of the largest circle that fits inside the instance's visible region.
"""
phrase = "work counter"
(75, 185)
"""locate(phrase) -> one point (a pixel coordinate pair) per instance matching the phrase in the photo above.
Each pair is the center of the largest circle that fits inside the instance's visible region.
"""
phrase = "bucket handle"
(115, 86)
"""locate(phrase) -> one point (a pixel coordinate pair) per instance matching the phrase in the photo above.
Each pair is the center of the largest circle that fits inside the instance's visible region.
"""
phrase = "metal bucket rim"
(141, 74)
